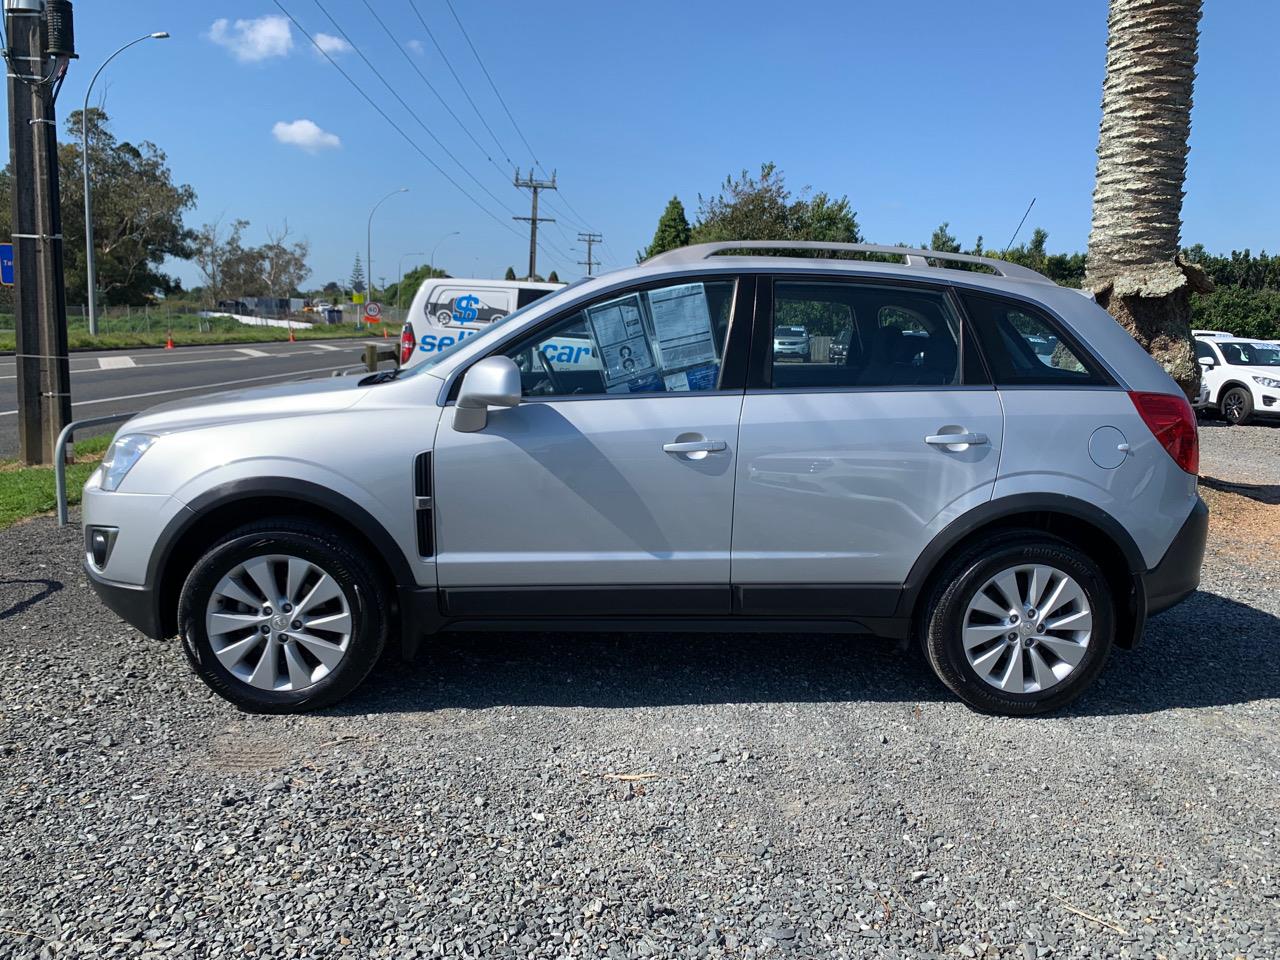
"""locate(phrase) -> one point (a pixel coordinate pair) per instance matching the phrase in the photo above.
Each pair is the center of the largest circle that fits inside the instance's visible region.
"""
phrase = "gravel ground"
(1249, 454)
(647, 796)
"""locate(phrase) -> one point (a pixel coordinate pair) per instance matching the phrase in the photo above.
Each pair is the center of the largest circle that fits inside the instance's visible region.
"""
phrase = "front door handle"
(695, 446)
(947, 439)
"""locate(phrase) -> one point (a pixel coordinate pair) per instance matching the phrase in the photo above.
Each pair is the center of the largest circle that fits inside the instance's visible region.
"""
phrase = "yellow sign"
(357, 298)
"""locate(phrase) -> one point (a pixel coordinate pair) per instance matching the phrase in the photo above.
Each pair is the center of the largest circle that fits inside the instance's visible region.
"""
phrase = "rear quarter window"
(1025, 347)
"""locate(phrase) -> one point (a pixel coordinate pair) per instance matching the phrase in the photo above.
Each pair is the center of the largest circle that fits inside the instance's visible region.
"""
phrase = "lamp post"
(400, 279)
(91, 273)
(432, 262)
(368, 253)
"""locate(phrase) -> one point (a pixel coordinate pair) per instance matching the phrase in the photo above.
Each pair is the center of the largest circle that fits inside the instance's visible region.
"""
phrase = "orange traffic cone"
(384, 333)
(292, 339)
(168, 344)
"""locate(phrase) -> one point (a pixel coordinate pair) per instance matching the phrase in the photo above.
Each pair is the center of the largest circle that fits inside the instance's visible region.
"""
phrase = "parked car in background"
(447, 310)
(939, 485)
(1240, 378)
(792, 343)
(1211, 333)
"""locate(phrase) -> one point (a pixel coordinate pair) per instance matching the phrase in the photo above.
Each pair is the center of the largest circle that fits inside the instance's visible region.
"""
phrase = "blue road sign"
(6, 264)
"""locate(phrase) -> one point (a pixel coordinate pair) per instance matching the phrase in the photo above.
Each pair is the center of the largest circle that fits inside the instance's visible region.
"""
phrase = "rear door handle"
(947, 439)
(695, 446)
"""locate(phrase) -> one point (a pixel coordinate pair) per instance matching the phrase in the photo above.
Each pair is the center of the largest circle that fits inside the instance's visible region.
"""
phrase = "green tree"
(553, 277)
(673, 231)
(284, 263)
(356, 283)
(402, 293)
(944, 241)
(510, 274)
(137, 214)
(763, 208)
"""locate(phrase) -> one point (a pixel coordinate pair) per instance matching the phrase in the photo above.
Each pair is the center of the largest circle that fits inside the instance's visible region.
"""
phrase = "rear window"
(1024, 347)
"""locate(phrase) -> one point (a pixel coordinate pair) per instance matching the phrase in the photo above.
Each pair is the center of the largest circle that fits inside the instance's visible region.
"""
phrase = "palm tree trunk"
(1134, 269)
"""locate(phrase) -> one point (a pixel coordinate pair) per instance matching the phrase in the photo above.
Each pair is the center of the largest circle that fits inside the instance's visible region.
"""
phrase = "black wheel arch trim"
(285, 488)
(996, 510)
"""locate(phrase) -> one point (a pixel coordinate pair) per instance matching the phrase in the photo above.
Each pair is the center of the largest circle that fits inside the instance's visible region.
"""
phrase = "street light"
(368, 253)
(400, 279)
(88, 201)
(432, 262)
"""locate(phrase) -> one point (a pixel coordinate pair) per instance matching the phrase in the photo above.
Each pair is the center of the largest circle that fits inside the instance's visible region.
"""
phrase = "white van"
(448, 309)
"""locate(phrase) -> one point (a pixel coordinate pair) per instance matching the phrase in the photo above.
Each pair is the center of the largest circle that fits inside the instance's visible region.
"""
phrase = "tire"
(953, 618)
(337, 631)
(1237, 406)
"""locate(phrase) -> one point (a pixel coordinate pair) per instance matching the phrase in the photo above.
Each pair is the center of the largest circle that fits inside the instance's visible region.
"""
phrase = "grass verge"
(219, 333)
(28, 491)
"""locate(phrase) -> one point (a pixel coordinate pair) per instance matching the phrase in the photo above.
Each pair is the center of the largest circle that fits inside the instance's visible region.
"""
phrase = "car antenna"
(1019, 230)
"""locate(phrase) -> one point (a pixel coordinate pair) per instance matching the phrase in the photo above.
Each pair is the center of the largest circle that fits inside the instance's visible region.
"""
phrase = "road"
(120, 381)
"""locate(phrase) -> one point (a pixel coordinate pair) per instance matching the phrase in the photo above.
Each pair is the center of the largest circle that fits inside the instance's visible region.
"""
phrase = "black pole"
(43, 371)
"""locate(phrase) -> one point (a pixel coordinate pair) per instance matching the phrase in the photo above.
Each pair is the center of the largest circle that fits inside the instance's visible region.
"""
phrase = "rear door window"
(844, 334)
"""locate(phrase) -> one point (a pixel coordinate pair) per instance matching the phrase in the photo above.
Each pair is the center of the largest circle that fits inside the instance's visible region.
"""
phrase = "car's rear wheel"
(1237, 406)
(1019, 624)
(284, 616)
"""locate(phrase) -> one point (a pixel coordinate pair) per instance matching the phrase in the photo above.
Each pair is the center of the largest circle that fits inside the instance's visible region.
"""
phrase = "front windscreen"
(1251, 354)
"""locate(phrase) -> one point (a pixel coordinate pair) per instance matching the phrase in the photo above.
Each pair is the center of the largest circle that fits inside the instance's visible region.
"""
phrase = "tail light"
(1171, 421)
(407, 343)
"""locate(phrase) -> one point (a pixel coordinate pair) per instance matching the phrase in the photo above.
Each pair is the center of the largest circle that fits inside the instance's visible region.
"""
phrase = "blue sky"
(920, 112)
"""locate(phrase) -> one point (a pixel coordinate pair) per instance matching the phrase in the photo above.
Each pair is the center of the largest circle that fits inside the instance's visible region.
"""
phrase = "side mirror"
(493, 382)
(1208, 363)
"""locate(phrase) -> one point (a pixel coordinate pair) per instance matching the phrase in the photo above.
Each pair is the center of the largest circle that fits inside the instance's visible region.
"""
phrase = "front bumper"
(1177, 574)
(136, 605)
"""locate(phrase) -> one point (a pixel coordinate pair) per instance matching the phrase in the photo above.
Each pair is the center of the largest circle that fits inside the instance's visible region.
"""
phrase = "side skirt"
(854, 610)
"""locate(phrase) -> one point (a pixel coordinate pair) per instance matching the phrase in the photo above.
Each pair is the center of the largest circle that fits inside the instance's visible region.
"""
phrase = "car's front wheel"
(1019, 624)
(1237, 406)
(283, 616)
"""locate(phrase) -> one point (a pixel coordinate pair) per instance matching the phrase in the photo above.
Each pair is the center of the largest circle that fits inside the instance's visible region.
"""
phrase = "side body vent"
(422, 505)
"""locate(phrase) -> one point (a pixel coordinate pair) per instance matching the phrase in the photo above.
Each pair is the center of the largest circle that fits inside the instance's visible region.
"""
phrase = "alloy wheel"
(279, 623)
(1027, 628)
(1233, 406)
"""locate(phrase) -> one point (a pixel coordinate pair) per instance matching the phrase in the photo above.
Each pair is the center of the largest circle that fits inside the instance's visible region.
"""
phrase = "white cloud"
(306, 135)
(327, 43)
(252, 40)
(417, 47)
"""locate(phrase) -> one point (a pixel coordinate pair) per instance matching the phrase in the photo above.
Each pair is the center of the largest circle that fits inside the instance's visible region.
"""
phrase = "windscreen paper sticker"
(618, 330)
(682, 322)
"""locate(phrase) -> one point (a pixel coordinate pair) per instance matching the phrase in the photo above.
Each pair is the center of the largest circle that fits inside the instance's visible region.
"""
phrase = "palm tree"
(1133, 266)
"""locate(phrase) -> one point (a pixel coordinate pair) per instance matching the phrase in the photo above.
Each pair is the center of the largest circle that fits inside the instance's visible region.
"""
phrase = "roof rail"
(911, 256)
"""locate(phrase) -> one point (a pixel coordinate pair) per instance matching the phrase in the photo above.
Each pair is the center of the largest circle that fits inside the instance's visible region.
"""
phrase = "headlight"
(123, 453)
(1268, 382)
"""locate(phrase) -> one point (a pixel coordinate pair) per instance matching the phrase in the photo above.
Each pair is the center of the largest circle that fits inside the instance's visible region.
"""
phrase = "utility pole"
(589, 239)
(533, 219)
(40, 47)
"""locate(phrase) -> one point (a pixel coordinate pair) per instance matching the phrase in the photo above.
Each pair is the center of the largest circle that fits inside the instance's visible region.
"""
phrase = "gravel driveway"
(637, 796)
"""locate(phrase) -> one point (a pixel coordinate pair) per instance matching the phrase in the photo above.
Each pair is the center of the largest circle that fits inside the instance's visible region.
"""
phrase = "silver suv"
(633, 453)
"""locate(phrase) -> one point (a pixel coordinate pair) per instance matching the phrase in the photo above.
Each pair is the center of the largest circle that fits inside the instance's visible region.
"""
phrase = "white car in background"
(1240, 378)
(447, 310)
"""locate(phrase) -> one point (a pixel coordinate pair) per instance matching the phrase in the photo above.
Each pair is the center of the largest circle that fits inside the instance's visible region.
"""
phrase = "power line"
(423, 77)
(493, 86)
(555, 254)
(408, 109)
(395, 126)
(461, 86)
